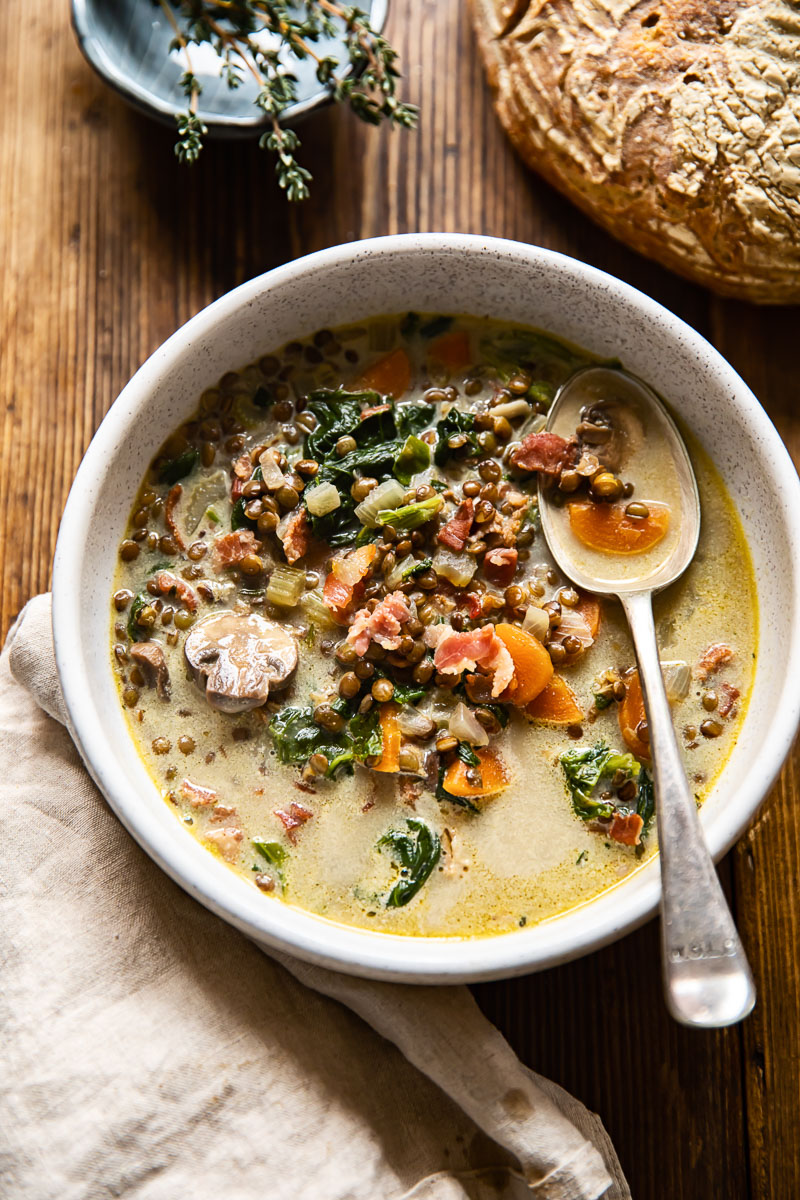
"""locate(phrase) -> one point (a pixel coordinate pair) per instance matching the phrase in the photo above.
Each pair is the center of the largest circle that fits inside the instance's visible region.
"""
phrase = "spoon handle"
(707, 978)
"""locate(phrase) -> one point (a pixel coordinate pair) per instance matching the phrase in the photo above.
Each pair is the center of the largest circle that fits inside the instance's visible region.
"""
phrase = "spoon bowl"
(707, 979)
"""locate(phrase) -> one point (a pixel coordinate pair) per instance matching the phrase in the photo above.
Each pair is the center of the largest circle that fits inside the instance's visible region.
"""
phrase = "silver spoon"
(707, 979)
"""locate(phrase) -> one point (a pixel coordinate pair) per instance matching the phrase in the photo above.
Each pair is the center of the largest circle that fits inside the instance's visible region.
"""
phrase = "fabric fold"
(153, 1049)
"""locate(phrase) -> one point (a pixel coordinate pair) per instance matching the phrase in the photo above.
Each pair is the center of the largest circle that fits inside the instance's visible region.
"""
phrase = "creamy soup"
(350, 664)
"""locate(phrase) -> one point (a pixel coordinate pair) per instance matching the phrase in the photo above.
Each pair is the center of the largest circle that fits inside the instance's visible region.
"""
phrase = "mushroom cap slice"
(237, 659)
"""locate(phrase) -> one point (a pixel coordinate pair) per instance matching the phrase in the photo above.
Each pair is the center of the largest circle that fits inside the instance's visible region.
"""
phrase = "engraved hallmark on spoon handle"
(707, 978)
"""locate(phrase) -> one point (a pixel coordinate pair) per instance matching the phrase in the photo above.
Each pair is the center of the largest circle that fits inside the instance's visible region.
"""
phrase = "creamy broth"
(508, 858)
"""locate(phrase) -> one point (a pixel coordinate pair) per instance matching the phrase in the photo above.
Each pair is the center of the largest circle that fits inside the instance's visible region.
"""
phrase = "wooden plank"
(106, 245)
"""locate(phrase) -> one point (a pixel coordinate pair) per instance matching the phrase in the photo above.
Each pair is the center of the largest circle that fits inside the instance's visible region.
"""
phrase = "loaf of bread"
(675, 124)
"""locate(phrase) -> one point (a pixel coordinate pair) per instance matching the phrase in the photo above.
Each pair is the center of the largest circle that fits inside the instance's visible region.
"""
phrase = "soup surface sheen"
(402, 717)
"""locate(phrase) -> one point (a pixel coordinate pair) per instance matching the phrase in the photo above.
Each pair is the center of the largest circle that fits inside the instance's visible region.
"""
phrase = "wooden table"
(107, 246)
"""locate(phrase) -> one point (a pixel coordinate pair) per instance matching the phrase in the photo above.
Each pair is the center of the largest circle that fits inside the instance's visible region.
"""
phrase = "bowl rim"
(152, 105)
(315, 939)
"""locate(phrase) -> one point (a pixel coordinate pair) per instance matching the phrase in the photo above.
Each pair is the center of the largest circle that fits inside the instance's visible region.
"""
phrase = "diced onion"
(286, 586)
(322, 499)
(573, 625)
(465, 726)
(677, 678)
(414, 723)
(395, 576)
(272, 475)
(211, 491)
(390, 494)
(458, 568)
(438, 705)
(536, 621)
(512, 409)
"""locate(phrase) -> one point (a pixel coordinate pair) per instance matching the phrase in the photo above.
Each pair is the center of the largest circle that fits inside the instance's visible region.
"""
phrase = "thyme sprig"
(365, 81)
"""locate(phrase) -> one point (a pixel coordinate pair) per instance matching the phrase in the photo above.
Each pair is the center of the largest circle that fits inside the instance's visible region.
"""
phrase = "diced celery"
(317, 610)
(410, 516)
(286, 586)
(385, 495)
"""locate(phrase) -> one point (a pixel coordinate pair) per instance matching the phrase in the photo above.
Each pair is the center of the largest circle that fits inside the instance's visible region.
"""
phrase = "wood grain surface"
(107, 245)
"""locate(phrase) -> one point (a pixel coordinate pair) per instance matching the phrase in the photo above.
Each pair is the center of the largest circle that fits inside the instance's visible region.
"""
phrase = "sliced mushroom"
(238, 659)
(150, 656)
(626, 432)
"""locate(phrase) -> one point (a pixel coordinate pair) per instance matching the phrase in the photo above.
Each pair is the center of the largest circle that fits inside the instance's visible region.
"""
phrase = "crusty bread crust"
(675, 124)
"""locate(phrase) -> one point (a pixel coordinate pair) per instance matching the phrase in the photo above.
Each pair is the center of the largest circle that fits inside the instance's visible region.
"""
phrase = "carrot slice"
(533, 667)
(390, 376)
(494, 776)
(629, 713)
(451, 350)
(607, 527)
(390, 732)
(556, 703)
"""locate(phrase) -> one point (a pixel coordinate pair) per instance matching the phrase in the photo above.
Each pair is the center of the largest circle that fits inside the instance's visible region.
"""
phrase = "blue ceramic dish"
(128, 43)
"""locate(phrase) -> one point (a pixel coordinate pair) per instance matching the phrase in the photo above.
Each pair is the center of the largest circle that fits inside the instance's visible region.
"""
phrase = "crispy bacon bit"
(222, 812)
(712, 658)
(626, 828)
(237, 487)
(293, 819)
(383, 625)
(455, 533)
(376, 408)
(242, 467)
(166, 582)
(344, 578)
(295, 534)
(197, 795)
(499, 565)
(730, 695)
(170, 504)
(227, 841)
(231, 548)
(545, 452)
(458, 652)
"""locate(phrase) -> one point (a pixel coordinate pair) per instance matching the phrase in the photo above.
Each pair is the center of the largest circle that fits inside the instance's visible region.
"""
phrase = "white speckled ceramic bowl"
(448, 273)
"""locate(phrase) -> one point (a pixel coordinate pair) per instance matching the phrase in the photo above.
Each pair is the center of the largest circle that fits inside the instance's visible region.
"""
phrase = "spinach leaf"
(178, 468)
(273, 852)
(410, 325)
(375, 429)
(404, 693)
(544, 356)
(411, 516)
(416, 852)
(365, 731)
(338, 413)
(411, 418)
(602, 701)
(467, 755)
(138, 633)
(339, 527)
(417, 568)
(435, 326)
(583, 770)
(413, 458)
(646, 799)
(295, 734)
(455, 422)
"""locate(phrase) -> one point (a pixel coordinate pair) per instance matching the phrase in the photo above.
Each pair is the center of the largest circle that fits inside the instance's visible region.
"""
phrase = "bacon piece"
(383, 625)
(626, 828)
(293, 820)
(166, 582)
(499, 565)
(295, 534)
(231, 548)
(730, 695)
(458, 652)
(471, 603)
(197, 795)
(170, 504)
(222, 812)
(712, 658)
(227, 840)
(376, 408)
(243, 467)
(344, 578)
(545, 452)
(455, 533)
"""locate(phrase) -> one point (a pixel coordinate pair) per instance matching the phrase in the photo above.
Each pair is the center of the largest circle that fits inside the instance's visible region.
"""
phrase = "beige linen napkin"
(151, 1051)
